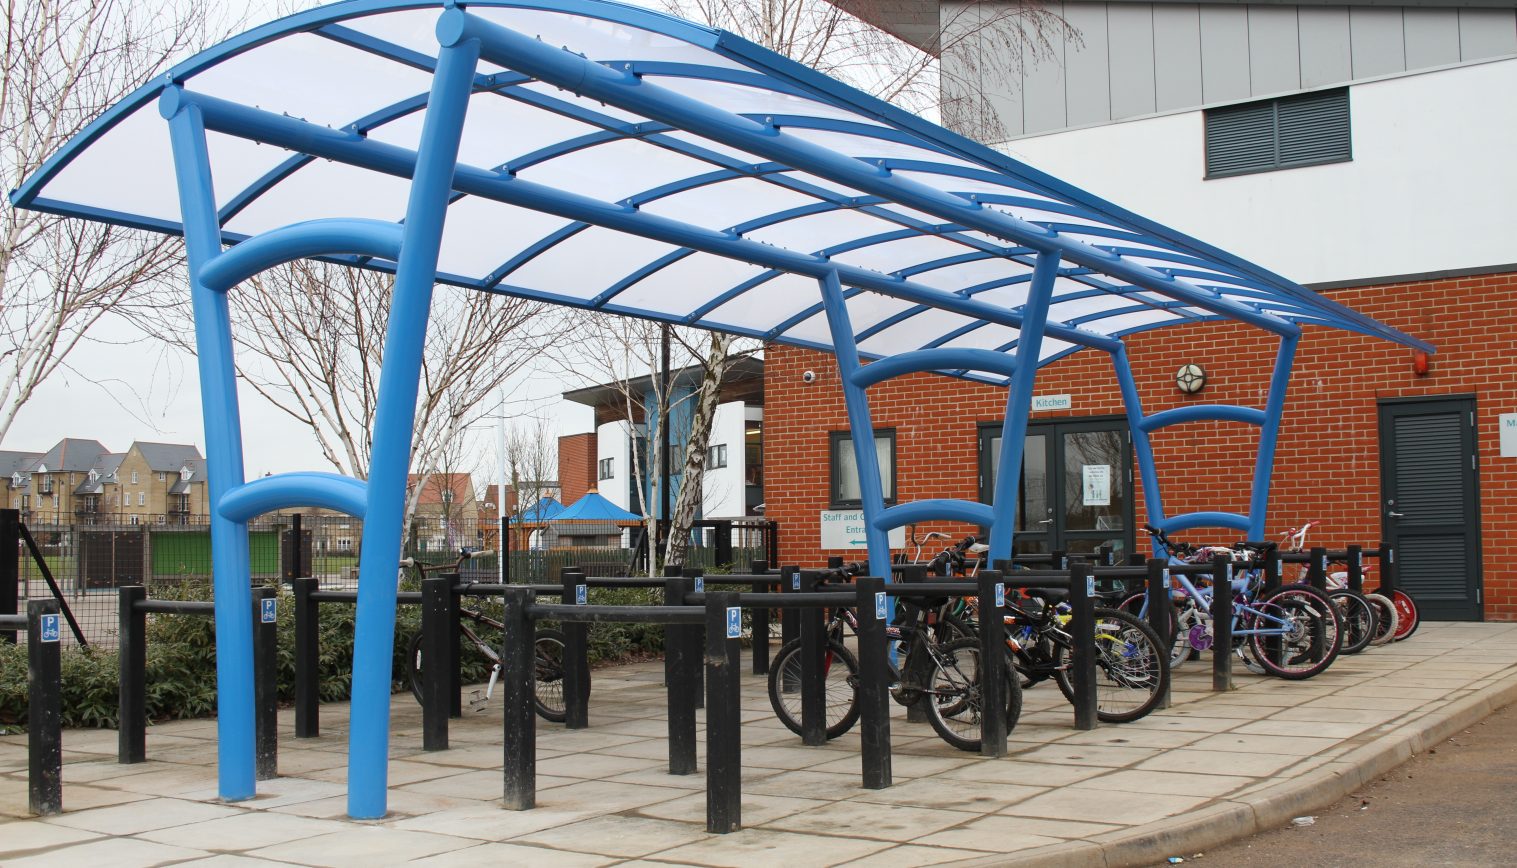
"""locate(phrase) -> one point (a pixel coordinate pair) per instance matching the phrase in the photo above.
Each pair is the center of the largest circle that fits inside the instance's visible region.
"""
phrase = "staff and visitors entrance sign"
(844, 529)
(1509, 435)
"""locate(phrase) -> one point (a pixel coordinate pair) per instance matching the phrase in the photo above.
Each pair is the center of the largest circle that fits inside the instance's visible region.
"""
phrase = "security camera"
(808, 377)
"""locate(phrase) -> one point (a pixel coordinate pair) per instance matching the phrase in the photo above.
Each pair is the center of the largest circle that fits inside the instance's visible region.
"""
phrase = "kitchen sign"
(1051, 402)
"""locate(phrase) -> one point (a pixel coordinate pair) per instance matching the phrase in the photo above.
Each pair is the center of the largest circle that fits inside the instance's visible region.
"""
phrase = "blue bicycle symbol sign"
(734, 622)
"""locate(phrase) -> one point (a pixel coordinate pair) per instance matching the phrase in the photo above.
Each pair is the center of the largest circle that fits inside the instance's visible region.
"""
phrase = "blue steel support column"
(426, 210)
(1153, 503)
(856, 399)
(230, 566)
(1019, 405)
(1264, 462)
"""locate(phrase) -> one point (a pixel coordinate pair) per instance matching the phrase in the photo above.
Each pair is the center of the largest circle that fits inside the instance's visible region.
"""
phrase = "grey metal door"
(1430, 503)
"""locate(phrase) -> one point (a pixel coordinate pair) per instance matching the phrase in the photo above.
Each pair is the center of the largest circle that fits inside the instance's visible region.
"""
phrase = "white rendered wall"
(612, 440)
(1432, 185)
(722, 492)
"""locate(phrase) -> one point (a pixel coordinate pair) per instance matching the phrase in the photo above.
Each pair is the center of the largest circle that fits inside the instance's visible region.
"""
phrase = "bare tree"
(65, 62)
(532, 471)
(310, 340)
(987, 43)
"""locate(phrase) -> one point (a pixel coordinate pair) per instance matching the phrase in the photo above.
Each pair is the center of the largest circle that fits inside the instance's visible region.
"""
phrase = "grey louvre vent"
(1304, 130)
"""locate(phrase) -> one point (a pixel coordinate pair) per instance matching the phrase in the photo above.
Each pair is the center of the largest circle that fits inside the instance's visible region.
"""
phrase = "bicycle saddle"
(1051, 596)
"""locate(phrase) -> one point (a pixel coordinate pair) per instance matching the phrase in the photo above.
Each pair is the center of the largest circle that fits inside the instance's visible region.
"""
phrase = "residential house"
(446, 517)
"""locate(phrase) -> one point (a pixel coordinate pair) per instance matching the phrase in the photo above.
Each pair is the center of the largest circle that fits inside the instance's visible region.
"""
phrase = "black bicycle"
(548, 648)
(942, 669)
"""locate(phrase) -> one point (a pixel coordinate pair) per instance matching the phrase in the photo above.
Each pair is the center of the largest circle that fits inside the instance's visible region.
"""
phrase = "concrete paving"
(1212, 768)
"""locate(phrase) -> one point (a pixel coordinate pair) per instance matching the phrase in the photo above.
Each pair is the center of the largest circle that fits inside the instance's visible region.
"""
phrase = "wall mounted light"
(1421, 364)
(1190, 379)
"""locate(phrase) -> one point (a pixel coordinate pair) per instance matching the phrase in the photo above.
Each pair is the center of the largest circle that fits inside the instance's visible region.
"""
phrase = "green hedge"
(181, 661)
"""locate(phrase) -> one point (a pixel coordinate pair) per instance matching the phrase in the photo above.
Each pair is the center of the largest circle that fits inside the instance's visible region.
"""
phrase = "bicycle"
(548, 648)
(1370, 618)
(944, 672)
(1293, 632)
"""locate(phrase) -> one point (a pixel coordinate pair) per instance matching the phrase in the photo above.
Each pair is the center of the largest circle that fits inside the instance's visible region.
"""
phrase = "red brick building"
(1346, 392)
(576, 465)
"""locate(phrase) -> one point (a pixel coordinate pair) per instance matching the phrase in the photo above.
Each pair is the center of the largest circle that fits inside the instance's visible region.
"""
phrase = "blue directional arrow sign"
(734, 622)
(268, 611)
(50, 628)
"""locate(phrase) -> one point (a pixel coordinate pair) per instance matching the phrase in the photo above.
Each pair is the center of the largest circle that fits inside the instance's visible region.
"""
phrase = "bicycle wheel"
(1132, 671)
(839, 692)
(1298, 634)
(1358, 619)
(952, 697)
(1386, 618)
(1407, 620)
(414, 671)
(548, 675)
(1180, 622)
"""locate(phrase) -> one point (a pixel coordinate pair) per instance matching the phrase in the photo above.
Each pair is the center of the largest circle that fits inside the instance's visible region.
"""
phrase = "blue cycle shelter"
(608, 157)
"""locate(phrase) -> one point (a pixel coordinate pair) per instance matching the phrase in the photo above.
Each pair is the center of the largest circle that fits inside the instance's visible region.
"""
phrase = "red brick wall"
(1327, 461)
(576, 465)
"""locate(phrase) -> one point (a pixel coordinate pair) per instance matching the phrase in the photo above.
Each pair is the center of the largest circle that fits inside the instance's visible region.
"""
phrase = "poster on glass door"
(1097, 484)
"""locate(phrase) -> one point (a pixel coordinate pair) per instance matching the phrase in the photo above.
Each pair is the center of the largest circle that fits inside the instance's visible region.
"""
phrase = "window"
(135, 519)
(1303, 130)
(134, 477)
(142, 498)
(160, 477)
(161, 519)
(606, 468)
(844, 487)
(716, 456)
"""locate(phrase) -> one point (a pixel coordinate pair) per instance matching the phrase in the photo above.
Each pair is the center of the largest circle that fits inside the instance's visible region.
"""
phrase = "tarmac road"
(1452, 805)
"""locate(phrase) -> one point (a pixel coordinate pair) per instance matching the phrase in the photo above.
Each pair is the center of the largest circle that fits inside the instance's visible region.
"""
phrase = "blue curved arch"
(1202, 413)
(903, 514)
(1186, 521)
(920, 361)
(266, 494)
(376, 238)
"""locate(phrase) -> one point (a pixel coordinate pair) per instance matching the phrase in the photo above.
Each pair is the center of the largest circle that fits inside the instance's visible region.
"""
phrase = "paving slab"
(1210, 767)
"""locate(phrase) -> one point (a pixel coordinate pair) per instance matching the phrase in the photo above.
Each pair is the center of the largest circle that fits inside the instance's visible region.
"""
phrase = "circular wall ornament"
(1190, 379)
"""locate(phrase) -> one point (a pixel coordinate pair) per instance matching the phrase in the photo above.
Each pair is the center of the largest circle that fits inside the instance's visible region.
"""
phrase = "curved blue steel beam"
(903, 514)
(1202, 413)
(266, 494)
(375, 238)
(920, 361)
(1188, 520)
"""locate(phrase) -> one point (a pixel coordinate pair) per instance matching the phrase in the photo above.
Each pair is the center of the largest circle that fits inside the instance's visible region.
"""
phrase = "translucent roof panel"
(909, 264)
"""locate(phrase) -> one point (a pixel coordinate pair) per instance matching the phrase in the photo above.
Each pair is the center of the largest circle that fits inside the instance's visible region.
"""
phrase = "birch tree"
(65, 62)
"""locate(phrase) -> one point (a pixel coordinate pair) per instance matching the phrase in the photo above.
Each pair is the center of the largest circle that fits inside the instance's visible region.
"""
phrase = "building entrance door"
(1430, 503)
(1076, 490)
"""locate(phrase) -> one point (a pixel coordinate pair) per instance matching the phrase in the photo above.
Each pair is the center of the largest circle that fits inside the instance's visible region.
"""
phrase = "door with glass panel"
(1076, 488)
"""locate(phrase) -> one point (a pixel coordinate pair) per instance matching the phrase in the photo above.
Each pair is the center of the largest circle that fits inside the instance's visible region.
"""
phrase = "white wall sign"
(1097, 484)
(844, 529)
(1509, 435)
(1051, 402)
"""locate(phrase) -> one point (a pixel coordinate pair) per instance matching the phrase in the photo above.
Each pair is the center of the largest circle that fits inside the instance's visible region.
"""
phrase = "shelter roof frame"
(928, 252)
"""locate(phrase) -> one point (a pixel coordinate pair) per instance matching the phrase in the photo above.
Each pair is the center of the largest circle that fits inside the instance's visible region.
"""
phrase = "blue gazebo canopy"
(544, 509)
(593, 507)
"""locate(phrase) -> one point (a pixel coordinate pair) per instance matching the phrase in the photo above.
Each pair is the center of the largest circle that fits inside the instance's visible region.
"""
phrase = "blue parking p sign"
(734, 622)
(700, 584)
(581, 596)
(795, 581)
(879, 605)
(50, 628)
(1000, 595)
(268, 610)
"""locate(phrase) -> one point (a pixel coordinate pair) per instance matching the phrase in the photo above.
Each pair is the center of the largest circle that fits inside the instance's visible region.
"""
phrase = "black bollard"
(724, 765)
(813, 673)
(1316, 569)
(131, 684)
(1161, 612)
(1387, 570)
(435, 645)
(518, 682)
(695, 674)
(266, 682)
(993, 664)
(790, 619)
(1222, 624)
(874, 677)
(760, 616)
(1356, 569)
(44, 714)
(307, 659)
(1082, 630)
(576, 654)
(677, 665)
